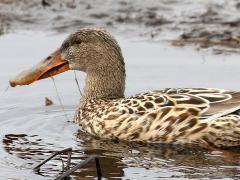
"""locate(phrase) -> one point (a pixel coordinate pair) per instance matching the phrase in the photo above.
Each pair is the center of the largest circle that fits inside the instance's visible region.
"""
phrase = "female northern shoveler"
(198, 115)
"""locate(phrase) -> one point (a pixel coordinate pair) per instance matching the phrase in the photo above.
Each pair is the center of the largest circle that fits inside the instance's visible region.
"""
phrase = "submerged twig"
(59, 99)
(67, 168)
(68, 150)
(4, 92)
(80, 165)
(77, 83)
(62, 162)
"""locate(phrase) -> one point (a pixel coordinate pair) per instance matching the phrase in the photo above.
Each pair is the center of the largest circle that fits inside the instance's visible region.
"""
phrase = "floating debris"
(48, 102)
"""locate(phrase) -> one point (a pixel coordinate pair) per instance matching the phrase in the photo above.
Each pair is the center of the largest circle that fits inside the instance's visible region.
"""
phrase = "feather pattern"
(206, 116)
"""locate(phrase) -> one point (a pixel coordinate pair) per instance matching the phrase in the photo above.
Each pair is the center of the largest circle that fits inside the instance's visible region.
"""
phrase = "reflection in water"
(117, 158)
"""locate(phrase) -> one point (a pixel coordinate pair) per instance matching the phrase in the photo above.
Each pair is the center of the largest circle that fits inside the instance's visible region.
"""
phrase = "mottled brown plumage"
(200, 115)
(205, 116)
(177, 116)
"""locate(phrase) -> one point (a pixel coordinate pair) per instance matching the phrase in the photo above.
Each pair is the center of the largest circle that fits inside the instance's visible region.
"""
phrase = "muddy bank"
(214, 28)
(200, 22)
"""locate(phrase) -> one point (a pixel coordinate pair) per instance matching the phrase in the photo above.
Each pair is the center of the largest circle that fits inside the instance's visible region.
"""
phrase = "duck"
(208, 117)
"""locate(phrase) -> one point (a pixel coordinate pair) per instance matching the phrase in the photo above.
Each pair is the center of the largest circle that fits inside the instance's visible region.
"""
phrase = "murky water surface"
(29, 131)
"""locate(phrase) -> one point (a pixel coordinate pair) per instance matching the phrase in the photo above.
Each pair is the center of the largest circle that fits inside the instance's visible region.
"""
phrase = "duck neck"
(106, 83)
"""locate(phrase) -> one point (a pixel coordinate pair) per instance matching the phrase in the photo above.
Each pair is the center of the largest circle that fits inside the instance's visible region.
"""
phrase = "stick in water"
(77, 83)
(4, 92)
(59, 99)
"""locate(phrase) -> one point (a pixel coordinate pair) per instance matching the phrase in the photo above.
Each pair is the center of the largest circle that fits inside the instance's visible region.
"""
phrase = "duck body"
(205, 116)
(208, 117)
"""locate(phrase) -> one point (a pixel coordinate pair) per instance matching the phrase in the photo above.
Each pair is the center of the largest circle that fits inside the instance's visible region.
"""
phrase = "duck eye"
(77, 41)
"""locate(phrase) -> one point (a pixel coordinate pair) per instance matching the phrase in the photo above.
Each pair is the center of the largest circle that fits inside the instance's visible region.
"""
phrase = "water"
(29, 131)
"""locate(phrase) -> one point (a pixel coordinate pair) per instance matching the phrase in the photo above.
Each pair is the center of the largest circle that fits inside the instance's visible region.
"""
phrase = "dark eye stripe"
(65, 45)
(77, 41)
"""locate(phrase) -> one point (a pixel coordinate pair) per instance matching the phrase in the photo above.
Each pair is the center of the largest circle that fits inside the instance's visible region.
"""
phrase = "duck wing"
(209, 101)
(214, 101)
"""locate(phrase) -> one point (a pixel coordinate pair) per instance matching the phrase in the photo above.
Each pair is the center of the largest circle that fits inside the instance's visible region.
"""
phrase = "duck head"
(90, 50)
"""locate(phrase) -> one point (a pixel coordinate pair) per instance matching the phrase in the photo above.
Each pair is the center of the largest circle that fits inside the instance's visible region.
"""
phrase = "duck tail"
(224, 132)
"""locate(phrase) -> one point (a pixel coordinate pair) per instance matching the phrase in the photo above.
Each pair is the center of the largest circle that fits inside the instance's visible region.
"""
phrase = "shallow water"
(29, 131)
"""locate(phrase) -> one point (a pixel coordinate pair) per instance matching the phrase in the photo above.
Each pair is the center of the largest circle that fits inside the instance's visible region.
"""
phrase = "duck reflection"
(116, 158)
